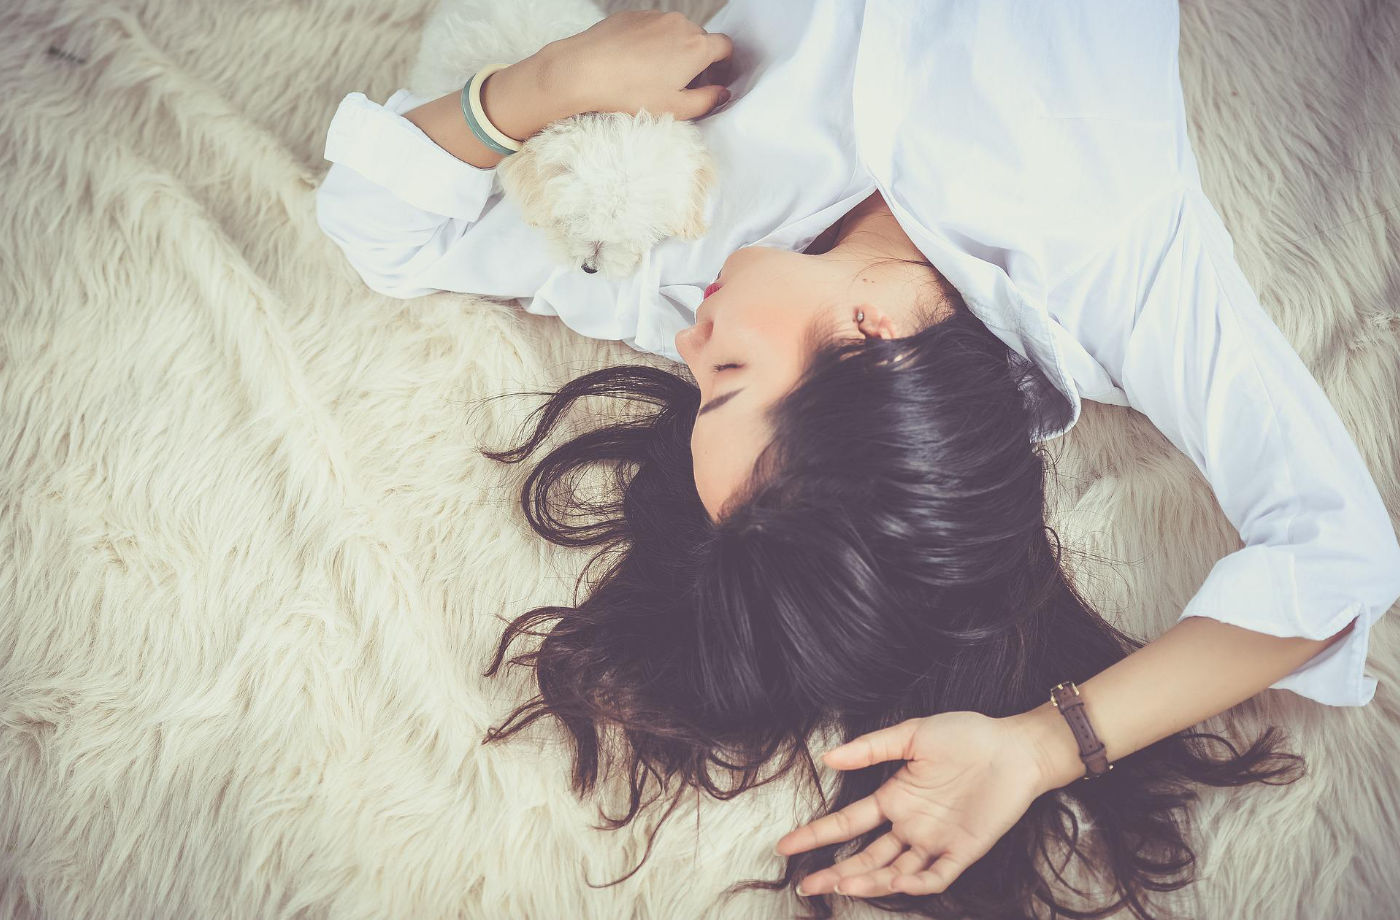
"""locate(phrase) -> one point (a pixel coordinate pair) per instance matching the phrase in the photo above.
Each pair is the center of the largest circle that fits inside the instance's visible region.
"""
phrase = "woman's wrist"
(520, 100)
(1196, 669)
(1052, 740)
(561, 83)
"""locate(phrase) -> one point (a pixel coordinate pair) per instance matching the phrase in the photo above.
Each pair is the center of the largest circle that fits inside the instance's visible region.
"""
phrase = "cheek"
(702, 468)
(774, 336)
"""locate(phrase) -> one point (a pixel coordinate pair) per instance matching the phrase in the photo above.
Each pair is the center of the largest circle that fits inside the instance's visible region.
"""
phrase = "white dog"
(605, 187)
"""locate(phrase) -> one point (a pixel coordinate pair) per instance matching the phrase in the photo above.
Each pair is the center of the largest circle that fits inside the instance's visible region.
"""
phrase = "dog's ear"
(694, 226)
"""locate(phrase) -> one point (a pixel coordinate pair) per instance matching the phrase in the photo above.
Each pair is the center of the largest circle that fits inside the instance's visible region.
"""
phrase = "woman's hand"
(640, 59)
(968, 779)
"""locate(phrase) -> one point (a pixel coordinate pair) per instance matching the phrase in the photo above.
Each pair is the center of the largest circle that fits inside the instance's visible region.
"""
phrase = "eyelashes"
(720, 367)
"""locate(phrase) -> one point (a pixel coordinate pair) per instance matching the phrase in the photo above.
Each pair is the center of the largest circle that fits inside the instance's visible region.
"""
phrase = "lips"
(711, 289)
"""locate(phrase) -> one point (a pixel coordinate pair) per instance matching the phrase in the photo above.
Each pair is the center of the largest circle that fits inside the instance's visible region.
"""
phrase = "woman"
(938, 226)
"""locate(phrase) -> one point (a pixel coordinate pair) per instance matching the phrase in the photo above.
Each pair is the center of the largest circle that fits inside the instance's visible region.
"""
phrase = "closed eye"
(721, 367)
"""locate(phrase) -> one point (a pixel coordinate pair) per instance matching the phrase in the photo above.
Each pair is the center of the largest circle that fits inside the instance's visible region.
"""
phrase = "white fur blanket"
(251, 565)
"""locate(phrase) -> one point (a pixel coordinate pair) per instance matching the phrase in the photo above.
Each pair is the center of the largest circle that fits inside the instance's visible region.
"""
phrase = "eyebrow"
(718, 401)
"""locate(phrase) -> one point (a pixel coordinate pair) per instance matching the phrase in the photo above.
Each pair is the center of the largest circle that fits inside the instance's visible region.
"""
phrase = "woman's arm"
(409, 184)
(1196, 669)
(1197, 354)
(968, 778)
(632, 60)
(520, 100)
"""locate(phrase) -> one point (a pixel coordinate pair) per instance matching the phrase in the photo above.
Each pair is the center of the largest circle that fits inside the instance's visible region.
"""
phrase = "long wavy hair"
(888, 559)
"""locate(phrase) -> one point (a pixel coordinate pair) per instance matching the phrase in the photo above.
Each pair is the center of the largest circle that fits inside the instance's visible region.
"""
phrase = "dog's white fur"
(605, 187)
(252, 567)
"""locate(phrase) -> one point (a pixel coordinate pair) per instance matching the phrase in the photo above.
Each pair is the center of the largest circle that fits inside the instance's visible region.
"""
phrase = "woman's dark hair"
(889, 560)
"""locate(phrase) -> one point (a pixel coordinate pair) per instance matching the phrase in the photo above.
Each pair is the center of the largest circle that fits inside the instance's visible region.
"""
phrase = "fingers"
(706, 91)
(855, 819)
(874, 747)
(936, 878)
(718, 46)
(878, 881)
(911, 861)
(702, 100)
(905, 875)
(887, 867)
(880, 853)
(716, 72)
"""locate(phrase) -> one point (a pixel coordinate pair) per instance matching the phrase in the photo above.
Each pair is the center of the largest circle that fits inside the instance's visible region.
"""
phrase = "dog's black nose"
(589, 268)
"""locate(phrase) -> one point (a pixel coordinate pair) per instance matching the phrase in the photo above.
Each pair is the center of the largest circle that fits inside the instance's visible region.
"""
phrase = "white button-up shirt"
(1037, 154)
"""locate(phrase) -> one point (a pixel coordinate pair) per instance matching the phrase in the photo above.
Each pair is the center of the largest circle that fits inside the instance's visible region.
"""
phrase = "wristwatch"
(1092, 751)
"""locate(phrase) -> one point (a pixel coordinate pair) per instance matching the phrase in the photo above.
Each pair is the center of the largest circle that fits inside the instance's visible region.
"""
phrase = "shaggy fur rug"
(251, 566)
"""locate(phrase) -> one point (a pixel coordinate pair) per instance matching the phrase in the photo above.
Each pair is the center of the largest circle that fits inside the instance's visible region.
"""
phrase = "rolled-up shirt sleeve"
(396, 203)
(1198, 355)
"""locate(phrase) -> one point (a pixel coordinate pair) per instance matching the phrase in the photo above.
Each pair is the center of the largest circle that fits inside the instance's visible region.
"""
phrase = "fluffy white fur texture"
(605, 187)
(251, 565)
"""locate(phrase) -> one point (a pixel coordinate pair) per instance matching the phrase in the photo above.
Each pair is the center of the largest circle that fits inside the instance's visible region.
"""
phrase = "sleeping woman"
(936, 228)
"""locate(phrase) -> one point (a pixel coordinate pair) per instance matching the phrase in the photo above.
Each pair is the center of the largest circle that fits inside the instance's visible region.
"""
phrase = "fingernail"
(800, 891)
(725, 96)
(837, 889)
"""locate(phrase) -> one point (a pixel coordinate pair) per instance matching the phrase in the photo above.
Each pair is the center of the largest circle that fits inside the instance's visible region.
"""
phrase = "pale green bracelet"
(494, 138)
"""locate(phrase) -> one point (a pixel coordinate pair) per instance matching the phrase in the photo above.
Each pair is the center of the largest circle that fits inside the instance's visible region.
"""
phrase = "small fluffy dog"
(605, 187)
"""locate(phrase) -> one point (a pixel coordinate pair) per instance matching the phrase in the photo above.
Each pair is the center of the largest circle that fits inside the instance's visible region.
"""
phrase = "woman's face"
(759, 327)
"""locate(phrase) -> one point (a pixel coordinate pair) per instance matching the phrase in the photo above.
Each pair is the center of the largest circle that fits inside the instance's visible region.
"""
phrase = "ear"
(877, 325)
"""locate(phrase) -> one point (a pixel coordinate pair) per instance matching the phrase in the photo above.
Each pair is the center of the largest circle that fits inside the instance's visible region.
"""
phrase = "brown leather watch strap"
(1092, 751)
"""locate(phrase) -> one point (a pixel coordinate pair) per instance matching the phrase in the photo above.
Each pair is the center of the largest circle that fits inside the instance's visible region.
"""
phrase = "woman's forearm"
(520, 100)
(1196, 669)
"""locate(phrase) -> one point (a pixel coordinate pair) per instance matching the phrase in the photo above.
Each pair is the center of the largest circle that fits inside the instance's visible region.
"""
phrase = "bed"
(252, 567)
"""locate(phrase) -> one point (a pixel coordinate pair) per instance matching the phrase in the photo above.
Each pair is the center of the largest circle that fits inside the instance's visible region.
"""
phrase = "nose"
(682, 340)
(590, 262)
(691, 338)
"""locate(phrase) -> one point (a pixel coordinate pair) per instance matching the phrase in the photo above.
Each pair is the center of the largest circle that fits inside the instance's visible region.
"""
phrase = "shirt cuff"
(389, 150)
(1337, 675)
(1255, 588)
